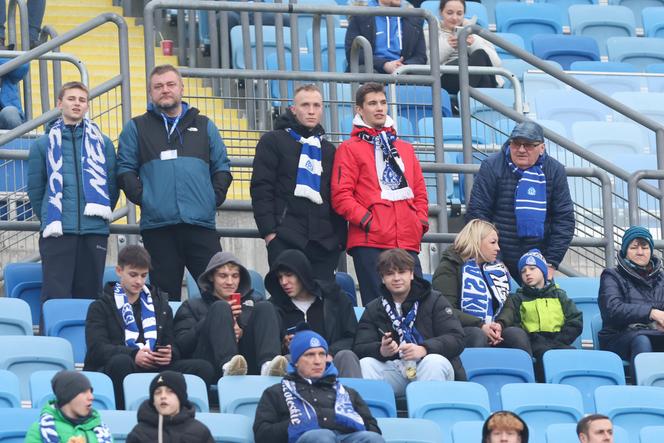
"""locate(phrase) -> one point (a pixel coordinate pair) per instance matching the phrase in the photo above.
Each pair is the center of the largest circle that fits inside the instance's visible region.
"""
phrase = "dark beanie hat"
(173, 380)
(633, 233)
(67, 385)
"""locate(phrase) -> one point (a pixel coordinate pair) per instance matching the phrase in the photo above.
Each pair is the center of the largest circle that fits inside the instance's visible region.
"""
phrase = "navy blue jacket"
(73, 199)
(492, 199)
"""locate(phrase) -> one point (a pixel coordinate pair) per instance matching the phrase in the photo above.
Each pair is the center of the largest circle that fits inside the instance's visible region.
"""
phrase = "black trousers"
(323, 262)
(450, 82)
(259, 342)
(513, 337)
(174, 247)
(72, 265)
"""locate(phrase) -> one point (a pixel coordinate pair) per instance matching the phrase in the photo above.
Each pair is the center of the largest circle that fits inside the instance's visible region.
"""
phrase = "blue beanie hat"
(534, 258)
(633, 233)
(304, 340)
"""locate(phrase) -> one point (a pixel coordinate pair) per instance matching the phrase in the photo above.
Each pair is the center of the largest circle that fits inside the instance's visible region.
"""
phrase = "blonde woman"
(477, 285)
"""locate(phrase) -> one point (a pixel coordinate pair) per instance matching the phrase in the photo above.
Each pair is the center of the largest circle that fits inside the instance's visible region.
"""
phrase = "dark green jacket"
(64, 427)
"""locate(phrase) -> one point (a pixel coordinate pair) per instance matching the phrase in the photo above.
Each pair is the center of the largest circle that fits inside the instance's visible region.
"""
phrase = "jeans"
(36, 10)
(10, 117)
(327, 436)
(431, 367)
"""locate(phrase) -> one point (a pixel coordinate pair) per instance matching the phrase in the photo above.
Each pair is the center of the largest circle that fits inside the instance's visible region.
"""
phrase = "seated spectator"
(595, 428)
(11, 111)
(130, 327)
(631, 299)
(168, 416)
(396, 41)
(70, 417)
(477, 285)
(226, 327)
(542, 309)
(504, 427)
(480, 51)
(310, 405)
(298, 298)
(410, 332)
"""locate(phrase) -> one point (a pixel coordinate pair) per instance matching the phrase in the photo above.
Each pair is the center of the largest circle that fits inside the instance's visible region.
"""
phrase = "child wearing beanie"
(542, 309)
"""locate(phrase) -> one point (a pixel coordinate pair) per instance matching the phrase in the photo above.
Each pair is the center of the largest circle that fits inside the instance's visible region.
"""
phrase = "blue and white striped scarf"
(93, 166)
(480, 284)
(49, 434)
(404, 325)
(529, 198)
(148, 319)
(309, 168)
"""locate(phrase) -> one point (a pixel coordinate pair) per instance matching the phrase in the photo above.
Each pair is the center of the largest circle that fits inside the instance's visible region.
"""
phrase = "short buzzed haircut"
(365, 89)
(135, 256)
(309, 87)
(395, 259)
(72, 85)
(163, 69)
(583, 425)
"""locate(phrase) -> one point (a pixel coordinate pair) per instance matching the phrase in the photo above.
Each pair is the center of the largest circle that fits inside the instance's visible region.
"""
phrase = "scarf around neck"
(480, 285)
(309, 168)
(529, 198)
(404, 325)
(49, 434)
(148, 319)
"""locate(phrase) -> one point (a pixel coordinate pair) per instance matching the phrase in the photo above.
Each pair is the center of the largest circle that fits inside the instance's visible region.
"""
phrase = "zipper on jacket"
(339, 176)
(77, 163)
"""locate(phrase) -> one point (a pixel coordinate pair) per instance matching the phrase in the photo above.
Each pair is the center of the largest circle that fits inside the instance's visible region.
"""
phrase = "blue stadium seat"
(175, 305)
(631, 407)
(467, 431)
(66, 318)
(41, 391)
(486, 114)
(409, 430)
(595, 327)
(240, 394)
(541, 405)
(636, 6)
(565, 4)
(377, 394)
(568, 107)
(24, 281)
(135, 390)
(585, 370)
(109, 275)
(565, 49)
(647, 103)
(535, 82)
(473, 9)
(610, 138)
(512, 38)
(269, 44)
(359, 310)
(495, 367)
(347, 285)
(446, 403)
(193, 291)
(583, 291)
(228, 428)
(528, 20)
(602, 22)
(603, 66)
(649, 369)
(10, 396)
(24, 355)
(258, 285)
(15, 317)
(414, 102)
(15, 422)
(638, 51)
(339, 49)
(119, 422)
(653, 21)
(651, 434)
(655, 84)
(305, 24)
(566, 433)
(610, 84)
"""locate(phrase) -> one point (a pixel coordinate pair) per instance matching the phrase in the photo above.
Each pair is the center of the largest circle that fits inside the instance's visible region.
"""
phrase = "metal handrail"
(25, 42)
(633, 191)
(50, 32)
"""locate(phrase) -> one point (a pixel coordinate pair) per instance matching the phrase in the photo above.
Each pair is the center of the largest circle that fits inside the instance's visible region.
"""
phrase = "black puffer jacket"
(296, 220)
(331, 315)
(180, 428)
(441, 330)
(273, 417)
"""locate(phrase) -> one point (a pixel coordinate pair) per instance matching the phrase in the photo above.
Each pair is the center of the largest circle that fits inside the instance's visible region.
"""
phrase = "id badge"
(170, 154)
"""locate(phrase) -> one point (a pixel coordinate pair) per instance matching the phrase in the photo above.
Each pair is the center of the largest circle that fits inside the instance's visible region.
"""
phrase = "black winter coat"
(492, 199)
(441, 330)
(180, 428)
(105, 329)
(273, 417)
(296, 220)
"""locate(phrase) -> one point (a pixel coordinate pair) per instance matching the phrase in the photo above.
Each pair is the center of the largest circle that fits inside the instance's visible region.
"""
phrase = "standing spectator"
(310, 405)
(524, 193)
(595, 428)
(168, 416)
(235, 337)
(504, 427)
(72, 189)
(70, 417)
(396, 41)
(172, 162)
(11, 111)
(130, 327)
(36, 9)
(410, 333)
(379, 188)
(323, 305)
(290, 187)
(631, 299)
(477, 286)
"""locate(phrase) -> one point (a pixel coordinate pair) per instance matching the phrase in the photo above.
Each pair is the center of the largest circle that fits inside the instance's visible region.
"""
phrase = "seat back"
(359, 310)
(583, 290)
(135, 390)
(347, 285)
(651, 434)
(119, 422)
(15, 422)
(409, 430)
(602, 22)
(10, 396)
(228, 428)
(596, 326)
(595, 66)
(649, 369)
(631, 407)
(41, 391)
(65, 317)
(640, 52)
(529, 20)
(512, 38)
(565, 49)
(377, 394)
(467, 431)
(610, 138)
(15, 317)
(653, 21)
(240, 394)
(568, 107)
(24, 281)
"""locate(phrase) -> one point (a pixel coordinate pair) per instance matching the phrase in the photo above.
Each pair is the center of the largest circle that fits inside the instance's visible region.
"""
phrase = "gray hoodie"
(220, 259)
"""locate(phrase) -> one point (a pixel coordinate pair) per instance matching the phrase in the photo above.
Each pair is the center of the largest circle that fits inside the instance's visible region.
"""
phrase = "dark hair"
(163, 69)
(392, 259)
(72, 85)
(444, 2)
(365, 89)
(583, 424)
(135, 256)
(310, 87)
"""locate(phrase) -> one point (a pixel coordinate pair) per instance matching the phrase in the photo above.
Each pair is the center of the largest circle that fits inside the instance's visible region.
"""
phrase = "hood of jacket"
(288, 120)
(148, 414)
(485, 428)
(624, 266)
(217, 260)
(296, 262)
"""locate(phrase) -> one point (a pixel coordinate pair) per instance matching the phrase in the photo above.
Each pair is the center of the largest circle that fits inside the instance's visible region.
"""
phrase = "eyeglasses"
(528, 146)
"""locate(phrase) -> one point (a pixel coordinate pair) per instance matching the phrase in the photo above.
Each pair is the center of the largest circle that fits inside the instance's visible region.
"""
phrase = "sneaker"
(277, 366)
(236, 366)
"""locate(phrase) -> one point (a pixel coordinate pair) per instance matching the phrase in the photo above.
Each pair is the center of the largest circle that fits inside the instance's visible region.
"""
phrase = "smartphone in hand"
(236, 298)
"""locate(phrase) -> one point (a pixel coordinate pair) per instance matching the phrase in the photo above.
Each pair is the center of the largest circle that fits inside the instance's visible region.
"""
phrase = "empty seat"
(653, 21)
(512, 38)
(649, 369)
(655, 83)
(446, 403)
(602, 22)
(24, 355)
(640, 52)
(339, 49)
(535, 82)
(541, 405)
(568, 107)
(647, 103)
(268, 40)
(528, 20)
(15, 317)
(595, 66)
(41, 391)
(631, 407)
(409, 430)
(636, 6)
(467, 431)
(228, 428)
(495, 367)
(347, 285)
(651, 434)
(414, 102)
(135, 390)
(66, 318)
(610, 138)
(24, 281)
(10, 396)
(583, 291)
(486, 114)
(15, 422)
(240, 394)
(120, 423)
(565, 49)
(566, 433)
(610, 84)
(305, 24)
(377, 394)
